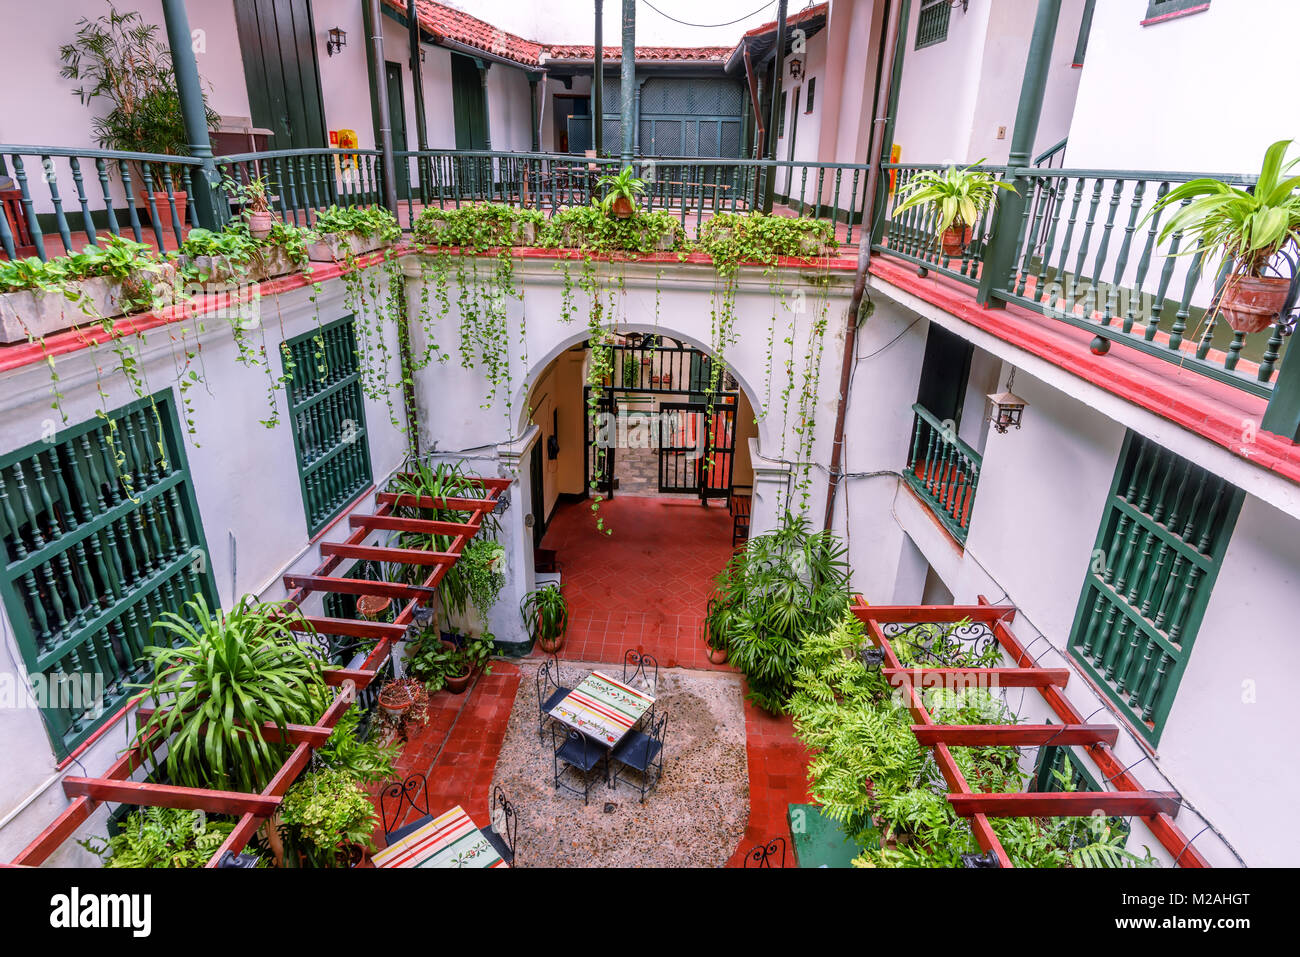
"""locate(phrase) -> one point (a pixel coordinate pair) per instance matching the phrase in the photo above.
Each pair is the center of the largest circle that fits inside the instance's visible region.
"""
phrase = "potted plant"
(326, 820)
(345, 232)
(372, 607)
(1248, 227)
(252, 196)
(118, 56)
(460, 670)
(715, 632)
(478, 652)
(403, 704)
(396, 698)
(956, 197)
(621, 191)
(546, 616)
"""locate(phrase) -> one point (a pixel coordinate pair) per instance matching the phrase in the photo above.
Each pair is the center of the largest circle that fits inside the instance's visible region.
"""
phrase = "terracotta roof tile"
(793, 19)
(588, 52)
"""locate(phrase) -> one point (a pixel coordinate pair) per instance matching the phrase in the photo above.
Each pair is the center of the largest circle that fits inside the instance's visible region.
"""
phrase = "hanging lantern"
(337, 40)
(1007, 407)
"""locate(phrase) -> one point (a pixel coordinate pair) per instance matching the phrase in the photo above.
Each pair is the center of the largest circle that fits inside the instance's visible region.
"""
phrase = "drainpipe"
(778, 67)
(189, 90)
(597, 82)
(379, 83)
(417, 75)
(627, 85)
(864, 254)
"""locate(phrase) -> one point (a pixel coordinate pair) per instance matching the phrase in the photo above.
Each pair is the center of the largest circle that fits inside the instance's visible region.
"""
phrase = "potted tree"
(956, 197)
(546, 616)
(1248, 227)
(118, 56)
(621, 191)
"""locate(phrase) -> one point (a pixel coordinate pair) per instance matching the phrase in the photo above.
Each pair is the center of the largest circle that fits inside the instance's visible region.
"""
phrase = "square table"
(448, 840)
(602, 708)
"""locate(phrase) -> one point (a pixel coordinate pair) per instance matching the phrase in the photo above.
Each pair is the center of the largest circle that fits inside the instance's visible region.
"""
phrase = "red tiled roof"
(793, 19)
(588, 52)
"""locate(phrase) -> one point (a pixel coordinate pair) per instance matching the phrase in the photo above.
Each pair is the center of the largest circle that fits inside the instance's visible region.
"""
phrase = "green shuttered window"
(1166, 526)
(932, 23)
(329, 420)
(99, 534)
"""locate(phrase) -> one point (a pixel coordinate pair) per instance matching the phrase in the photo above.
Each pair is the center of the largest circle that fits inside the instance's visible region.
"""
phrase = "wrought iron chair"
(579, 752)
(642, 668)
(413, 791)
(762, 855)
(504, 827)
(643, 753)
(550, 691)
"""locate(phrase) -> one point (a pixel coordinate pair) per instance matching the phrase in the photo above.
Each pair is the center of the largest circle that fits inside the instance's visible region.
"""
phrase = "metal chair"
(761, 855)
(643, 753)
(583, 755)
(395, 797)
(644, 668)
(504, 827)
(550, 691)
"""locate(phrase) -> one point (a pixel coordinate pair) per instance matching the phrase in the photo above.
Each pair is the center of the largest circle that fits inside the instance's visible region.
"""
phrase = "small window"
(780, 119)
(812, 88)
(1160, 10)
(932, 23)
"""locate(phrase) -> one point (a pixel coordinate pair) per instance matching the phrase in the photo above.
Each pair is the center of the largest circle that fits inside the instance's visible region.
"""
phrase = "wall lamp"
(337, 41)
(796, 68)
(1007, 408)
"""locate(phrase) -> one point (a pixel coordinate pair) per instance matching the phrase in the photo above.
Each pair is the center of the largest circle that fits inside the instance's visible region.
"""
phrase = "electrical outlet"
(1002, 132)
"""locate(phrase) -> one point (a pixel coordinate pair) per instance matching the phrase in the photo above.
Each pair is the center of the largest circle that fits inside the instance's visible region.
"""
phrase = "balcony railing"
(943, 470)
(1086, 253)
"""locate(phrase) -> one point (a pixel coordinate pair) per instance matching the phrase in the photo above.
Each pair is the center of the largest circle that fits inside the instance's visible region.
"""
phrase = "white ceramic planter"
(36, 313)
(337, 247)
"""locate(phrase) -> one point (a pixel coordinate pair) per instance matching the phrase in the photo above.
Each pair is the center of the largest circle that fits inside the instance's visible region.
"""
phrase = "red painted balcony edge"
(1020, 327)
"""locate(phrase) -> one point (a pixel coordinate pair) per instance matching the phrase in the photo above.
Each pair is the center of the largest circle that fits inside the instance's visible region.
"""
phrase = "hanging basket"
(1253, 303)
(954, 241)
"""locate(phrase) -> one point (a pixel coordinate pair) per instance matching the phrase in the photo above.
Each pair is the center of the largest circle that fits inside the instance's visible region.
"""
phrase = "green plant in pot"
(956, 197)
(326, 820)
(437, 663)
(256, 202)
(161, 837)
(1246, 227)
(118, 57)
(546, 616)
(621, 192)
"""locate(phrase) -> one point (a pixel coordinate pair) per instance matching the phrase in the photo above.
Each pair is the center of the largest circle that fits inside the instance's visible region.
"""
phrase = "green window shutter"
(780, 118)
(1059, 761)
(99, 534)
(932, 23)
(1166, 526)
(329, 419)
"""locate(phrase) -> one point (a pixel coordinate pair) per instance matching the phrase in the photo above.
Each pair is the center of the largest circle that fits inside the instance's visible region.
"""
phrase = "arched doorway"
(635, 506)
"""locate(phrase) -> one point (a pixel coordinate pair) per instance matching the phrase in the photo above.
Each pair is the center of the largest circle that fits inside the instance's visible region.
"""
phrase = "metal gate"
(720, 452)
(682, 445)
(602, 439)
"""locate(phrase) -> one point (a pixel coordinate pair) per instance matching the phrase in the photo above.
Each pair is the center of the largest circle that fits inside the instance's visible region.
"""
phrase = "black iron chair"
(643, 753)
(579, 752)
(762, 855)
(643, 668)
(503, 829)
(550, 691)
(396, 796)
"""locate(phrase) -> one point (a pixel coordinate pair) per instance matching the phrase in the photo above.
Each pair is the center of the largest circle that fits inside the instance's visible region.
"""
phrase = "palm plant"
(230, 673)
(546, 615)
(621, 192)
(956, 197)
(1246, 227)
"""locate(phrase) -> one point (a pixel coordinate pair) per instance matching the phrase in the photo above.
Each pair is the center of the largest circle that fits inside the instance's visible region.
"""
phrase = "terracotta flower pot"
(371, 607)
(955, 239)
(622, 208)
(1252, 303)
(458, 683)
(717, 655)
(396, 701)
(161, 205)
(259, 223)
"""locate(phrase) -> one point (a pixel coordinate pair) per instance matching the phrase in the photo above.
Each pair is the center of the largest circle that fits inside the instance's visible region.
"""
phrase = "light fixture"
(959, 3)
(1007, 407)
(337, 41)
(796, 68)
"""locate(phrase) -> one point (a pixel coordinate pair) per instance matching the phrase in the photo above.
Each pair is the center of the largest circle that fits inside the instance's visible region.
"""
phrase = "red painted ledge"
(1216, 411)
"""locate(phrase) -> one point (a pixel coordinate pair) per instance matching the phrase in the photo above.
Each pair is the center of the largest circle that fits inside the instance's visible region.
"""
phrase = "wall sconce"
(796, 68)
(337, 41)
(1007, 407)
(959, 3)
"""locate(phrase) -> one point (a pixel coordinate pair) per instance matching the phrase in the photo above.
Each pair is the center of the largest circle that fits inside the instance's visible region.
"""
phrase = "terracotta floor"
(646, 584)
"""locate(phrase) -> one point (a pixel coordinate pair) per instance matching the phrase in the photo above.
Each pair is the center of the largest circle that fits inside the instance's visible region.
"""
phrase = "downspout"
(864, 255)
(383, 123)
(598, 84)
(417, 75)
(774, 124)
(760, 129)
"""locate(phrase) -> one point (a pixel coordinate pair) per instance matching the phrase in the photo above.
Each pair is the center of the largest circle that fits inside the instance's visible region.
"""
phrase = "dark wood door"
(397, 122)
(944, 372)
(468, 108)
(278, 42)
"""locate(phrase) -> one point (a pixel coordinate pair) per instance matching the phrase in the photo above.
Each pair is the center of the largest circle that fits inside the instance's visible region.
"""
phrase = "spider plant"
(227, 674)
(956, 197)
(621, 191)
(546, 616)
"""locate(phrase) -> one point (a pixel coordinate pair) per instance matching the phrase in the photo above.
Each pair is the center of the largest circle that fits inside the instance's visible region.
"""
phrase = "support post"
(627, 85)
(1282, 417)
(774, 124)
(1001, 256)
(189, 90)
(483, 67)
(417, 75)
(598, 84)
(379, 103)
(535, 119)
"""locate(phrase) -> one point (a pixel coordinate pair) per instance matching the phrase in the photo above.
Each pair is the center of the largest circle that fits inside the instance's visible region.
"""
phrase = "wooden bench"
(739, 507)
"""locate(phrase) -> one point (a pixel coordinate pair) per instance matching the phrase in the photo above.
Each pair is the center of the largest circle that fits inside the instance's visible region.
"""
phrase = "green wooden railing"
(306, 180)
(100, 535)
(1158, 551)
(943, 470)
(329, 420)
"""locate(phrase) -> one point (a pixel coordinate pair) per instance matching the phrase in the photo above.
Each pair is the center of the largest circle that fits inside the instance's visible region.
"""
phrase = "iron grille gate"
(601, 442)
(697, 446)
(99, 535)
(1158, 550)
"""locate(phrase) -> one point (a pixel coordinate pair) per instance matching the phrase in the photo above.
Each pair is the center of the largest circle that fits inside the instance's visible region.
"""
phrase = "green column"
(535, 117)
(627, 85)
(597, 84)
(379, 101)
(778, 68)
(190, 91)
(1282, 417)
(1011, 206)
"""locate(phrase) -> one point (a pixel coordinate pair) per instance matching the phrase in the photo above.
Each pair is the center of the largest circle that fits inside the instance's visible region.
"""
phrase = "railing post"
(379, 103)
(1282, 417)
(1011, 206)
(189, 91)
